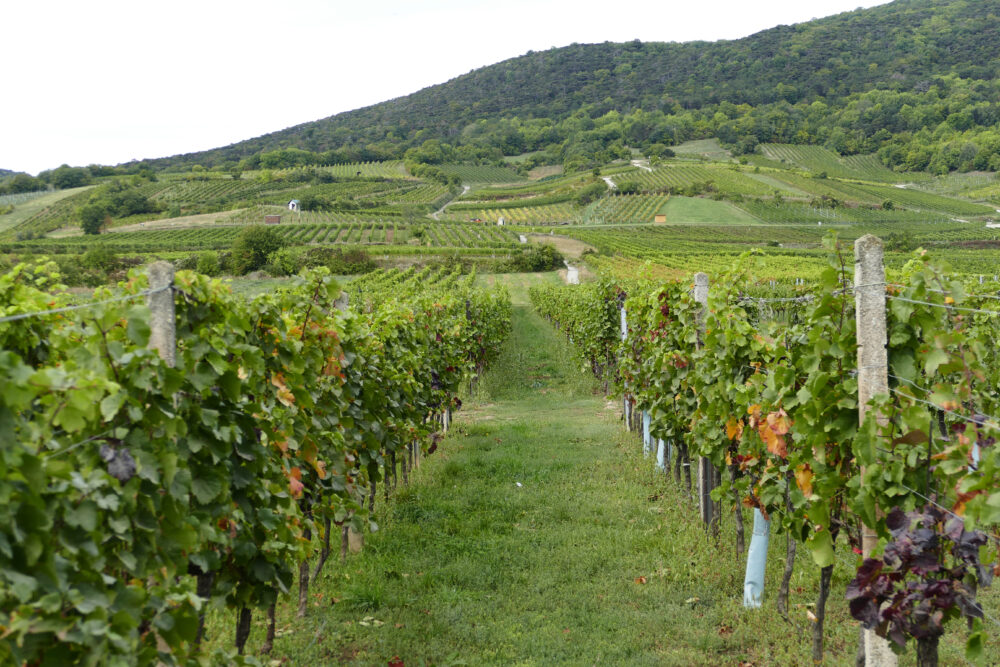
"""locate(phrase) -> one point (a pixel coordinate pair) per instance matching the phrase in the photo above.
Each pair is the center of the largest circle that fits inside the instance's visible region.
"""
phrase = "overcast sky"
(108, 81)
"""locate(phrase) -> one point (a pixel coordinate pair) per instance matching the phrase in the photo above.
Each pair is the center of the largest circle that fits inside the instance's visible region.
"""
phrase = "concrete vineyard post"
(355, 539)
(706, 473)
(873, 379)
(661, 455)
(162, 322)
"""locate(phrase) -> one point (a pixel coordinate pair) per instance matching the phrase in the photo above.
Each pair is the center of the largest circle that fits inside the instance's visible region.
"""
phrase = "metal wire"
(942, 305)
(80, 444)
(92, 304)
(993, 423)
(795, 299)
(911, 383)
(944, 291)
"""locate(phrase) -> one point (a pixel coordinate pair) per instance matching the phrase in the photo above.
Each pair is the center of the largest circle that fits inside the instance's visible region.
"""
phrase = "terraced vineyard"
(482, 174)
(546, 186)
(983, 185)
(546, 214)
(817, 159)
(926, 201)
(391, 237)
(21, 197)
(389, 169)
(57, 209)
(624, 209)
(785, 212)
(677, 250)
(722, 179)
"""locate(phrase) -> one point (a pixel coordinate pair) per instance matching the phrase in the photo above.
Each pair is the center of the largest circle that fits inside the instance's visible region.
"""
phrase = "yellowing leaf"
(779, 422)
(734, 428)
(803, 478)
(285, 396)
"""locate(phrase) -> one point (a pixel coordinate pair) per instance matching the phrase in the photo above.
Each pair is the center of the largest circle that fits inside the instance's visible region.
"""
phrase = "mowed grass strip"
(538, 534)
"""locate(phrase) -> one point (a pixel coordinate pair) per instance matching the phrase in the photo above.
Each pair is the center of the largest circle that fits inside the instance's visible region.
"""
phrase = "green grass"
(707, 148)
(694, 209)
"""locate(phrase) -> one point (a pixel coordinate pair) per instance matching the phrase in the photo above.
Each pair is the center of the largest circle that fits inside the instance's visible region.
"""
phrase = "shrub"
(208, 263)
(543, 257)
(591, 192)
(253, 248)
(99, 257)
(344, 262)
(286, 262)
(628, 188)
(189, 263)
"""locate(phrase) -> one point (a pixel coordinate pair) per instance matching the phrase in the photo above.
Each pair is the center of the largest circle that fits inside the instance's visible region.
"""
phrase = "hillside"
(903, 48)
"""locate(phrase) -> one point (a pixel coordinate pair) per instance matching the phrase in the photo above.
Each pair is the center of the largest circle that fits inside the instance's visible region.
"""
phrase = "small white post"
(661, 455)
(753, 581)
(647, 440)
(627, 406)
(162, 321)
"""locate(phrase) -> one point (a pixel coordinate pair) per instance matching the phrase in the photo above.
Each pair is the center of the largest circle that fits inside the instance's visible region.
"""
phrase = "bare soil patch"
(202, 220)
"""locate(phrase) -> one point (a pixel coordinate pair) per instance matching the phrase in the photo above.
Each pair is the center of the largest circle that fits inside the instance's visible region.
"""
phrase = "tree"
(66, 176)
(628, 188)
(253, 247)
(92, 218)
(22, 183)
(591, 192)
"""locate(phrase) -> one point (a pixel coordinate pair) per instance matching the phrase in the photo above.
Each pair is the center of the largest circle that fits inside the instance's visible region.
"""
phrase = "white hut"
(501, 222)
(293, 205)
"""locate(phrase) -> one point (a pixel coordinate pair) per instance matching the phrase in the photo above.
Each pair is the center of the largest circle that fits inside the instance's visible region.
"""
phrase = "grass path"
(538, 535)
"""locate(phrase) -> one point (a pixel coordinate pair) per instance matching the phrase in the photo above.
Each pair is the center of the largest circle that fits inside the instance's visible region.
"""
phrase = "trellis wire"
(92, 304)
(942, 305)
(92, 438)
(988, 420)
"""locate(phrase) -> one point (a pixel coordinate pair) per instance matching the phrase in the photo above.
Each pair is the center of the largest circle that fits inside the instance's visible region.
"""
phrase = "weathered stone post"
(162, 324)
(873, 379)
(351, 539)
(706, 472)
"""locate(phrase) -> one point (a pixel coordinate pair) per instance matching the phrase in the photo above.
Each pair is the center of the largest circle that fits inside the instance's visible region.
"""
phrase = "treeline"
(118, 198)
(65, 177)
(949, 124)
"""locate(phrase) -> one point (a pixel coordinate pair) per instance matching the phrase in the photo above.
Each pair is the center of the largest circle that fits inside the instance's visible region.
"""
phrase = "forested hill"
(902, 47)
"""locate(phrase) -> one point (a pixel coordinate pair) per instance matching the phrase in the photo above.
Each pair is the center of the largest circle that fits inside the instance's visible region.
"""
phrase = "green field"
(692, 209)
(706, 148)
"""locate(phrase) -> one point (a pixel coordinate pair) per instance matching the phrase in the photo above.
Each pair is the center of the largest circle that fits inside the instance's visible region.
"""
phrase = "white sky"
(108, 81)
